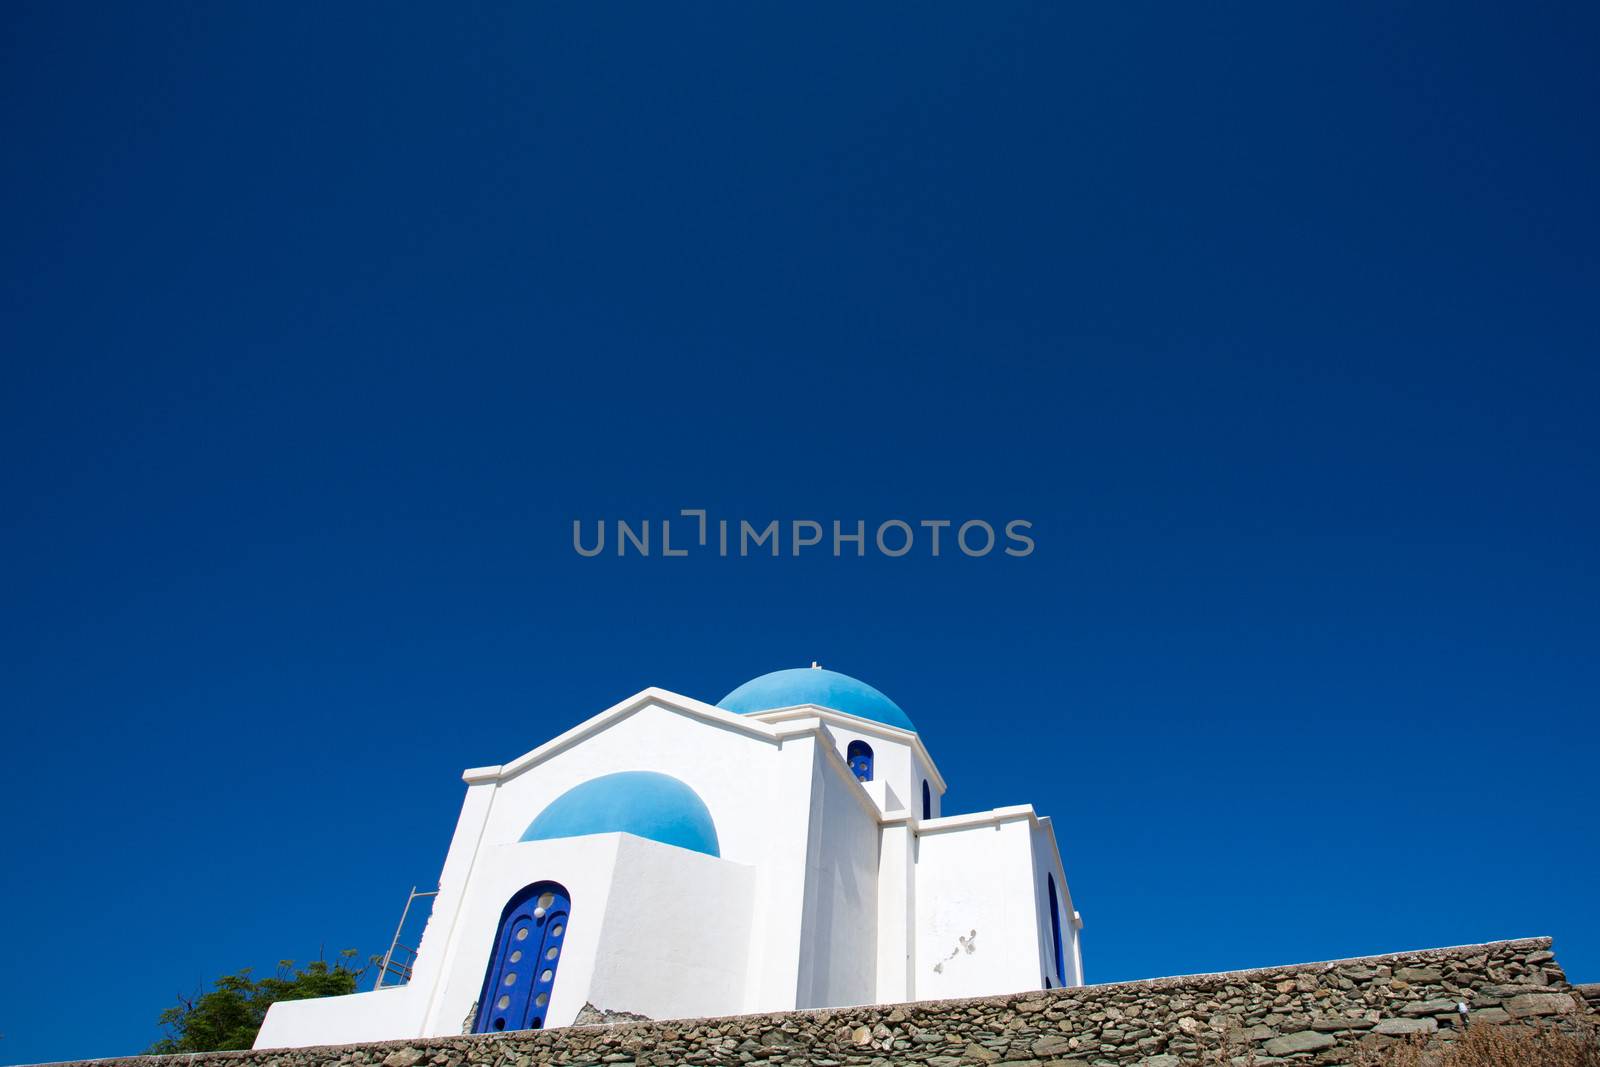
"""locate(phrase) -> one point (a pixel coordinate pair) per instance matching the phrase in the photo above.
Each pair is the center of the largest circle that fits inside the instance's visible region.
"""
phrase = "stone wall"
(1317, 1013)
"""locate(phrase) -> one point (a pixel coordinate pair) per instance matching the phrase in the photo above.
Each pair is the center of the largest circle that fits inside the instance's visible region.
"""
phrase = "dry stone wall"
(1319, 1013)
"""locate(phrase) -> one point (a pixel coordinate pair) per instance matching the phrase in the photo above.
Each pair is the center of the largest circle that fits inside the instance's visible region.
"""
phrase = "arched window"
(860, 759)
(1055, 928)
(522, 970)
(927, 800)
(860, 755)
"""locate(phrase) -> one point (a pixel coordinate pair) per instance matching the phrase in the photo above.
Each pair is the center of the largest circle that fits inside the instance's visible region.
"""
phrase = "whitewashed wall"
(677, 933)
(977, 927)
(722, 764)
(840, 926)
(379, 1015)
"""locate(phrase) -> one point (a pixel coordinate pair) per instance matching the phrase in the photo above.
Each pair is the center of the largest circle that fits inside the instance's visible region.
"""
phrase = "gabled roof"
(687, 706)
(771, 726)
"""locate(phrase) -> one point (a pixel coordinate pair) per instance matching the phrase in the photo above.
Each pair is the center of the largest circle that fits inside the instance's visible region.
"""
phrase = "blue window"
(927, 800)
(1055, 928)
(860, 756)
(522, 971)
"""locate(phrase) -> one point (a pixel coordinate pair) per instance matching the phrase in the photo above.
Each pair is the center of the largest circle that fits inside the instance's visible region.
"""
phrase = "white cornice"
(996, 817)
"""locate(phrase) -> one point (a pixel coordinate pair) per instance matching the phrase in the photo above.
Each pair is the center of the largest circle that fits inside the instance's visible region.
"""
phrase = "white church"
(784, 848)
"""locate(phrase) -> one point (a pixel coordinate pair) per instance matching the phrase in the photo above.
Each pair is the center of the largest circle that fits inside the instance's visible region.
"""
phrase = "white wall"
(977, 926)
(436, 949)
(840, 927)
(726, 767)
(897, 910)
(776, 947)
(676, 940)
(884, 796)
(376, 1015)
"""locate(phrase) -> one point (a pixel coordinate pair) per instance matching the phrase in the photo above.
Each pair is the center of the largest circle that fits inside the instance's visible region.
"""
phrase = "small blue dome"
(813, 685)
(642, 803)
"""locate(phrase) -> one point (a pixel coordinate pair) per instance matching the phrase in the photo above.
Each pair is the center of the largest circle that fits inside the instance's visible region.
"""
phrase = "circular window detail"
(503, 1003)
(557, 929)
(551, 954)
(547, 975)
(522, 934)
(546, 900)
(542, 999)
(511, 979)
(516, 954)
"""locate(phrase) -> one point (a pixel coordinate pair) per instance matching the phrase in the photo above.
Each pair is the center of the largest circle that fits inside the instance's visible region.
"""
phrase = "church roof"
(814, 685)
(643, 803)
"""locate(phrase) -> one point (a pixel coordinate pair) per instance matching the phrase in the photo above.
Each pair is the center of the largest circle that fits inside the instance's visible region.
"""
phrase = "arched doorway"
(522, 969)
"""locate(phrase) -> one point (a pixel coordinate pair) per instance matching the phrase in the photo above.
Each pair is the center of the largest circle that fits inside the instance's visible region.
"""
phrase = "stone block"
(1419, 974)
(1501, 990)
(1333, 1023)
(1258, 1032)
(1405, 1026)
(1531, 1004)
(1051, 1045)
(1303, 1041)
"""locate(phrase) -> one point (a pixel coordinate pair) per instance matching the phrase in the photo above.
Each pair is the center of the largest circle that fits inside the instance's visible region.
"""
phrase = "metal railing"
(401, 958)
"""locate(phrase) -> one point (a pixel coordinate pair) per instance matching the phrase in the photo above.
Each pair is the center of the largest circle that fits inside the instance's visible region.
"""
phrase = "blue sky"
(321, 325)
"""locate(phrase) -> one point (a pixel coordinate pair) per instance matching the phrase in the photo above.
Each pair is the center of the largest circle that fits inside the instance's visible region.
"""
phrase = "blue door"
(522, 971)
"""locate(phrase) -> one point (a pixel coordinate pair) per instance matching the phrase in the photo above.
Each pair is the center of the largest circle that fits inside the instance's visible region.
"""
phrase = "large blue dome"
(642, 803)
(813, 685)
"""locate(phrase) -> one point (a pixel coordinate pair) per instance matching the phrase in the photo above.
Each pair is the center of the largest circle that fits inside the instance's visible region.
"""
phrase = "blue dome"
(642, 803)
(813, 685)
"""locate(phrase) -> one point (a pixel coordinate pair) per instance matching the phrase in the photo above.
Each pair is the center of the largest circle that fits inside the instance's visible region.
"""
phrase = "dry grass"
(1492, 1045)
(1482, 1045)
